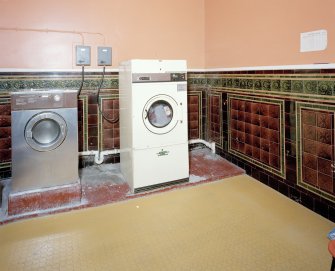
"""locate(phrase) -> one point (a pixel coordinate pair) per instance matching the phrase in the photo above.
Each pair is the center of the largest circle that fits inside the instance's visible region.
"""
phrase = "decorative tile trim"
(196, 80)
(300, 182)
(16, 82)
(281, 172)
(5, 100)
(7, 165)
(302, 86)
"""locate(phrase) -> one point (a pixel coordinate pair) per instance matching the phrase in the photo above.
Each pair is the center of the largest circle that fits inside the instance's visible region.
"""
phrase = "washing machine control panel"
(42, 99)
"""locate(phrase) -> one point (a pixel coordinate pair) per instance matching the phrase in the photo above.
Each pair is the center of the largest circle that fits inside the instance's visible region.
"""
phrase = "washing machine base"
(153, 167)
(37, 200)
(160, 185)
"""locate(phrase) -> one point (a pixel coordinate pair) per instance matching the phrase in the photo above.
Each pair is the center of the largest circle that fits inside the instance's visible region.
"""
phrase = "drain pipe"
(210, 145)
(99, 156)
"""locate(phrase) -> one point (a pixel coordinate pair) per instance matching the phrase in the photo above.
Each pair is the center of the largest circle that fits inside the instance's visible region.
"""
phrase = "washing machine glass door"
(160, 114)
(45, 131)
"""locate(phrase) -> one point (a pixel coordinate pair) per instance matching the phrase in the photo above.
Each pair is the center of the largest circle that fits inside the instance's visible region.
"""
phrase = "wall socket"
(83, 55)
(104, 56)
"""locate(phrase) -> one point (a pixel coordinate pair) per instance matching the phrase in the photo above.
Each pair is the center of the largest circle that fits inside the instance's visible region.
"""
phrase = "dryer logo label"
(162, 153)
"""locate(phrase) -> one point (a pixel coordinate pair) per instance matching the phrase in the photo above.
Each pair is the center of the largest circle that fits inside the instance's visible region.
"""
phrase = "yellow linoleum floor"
(233, 224)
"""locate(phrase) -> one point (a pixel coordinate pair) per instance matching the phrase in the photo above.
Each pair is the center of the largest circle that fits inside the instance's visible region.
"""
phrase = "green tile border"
(5, 100)
(6, 165)
(282, 171)
(10, 83)
(298, 86)
(315, 107)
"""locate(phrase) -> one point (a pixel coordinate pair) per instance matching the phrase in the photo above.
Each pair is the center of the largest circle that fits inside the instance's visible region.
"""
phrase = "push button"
(57, 98)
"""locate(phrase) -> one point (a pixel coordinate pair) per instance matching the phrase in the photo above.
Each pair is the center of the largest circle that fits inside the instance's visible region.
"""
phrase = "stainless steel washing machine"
(44, 139)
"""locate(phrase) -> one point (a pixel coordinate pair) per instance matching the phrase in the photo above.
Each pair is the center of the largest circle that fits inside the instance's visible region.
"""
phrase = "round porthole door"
(45, 131)
(160, 114)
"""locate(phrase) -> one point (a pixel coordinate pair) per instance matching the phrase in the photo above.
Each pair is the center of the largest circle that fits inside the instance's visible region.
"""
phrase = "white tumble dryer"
(153, 122)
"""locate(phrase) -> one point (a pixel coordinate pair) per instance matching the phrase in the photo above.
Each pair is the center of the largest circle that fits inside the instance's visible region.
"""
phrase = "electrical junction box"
(83, 55)
(104, 56)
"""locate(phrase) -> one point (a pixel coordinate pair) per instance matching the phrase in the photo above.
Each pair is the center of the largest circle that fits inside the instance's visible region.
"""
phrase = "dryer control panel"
(158, 77)
(178, 76)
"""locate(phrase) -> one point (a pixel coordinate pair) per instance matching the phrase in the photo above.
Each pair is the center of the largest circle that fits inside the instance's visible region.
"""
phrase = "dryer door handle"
(146, 114)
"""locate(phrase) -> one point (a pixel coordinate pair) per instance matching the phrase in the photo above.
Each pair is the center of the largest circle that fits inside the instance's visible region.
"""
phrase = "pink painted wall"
(207, 33)
(243, 33)
(164, 29)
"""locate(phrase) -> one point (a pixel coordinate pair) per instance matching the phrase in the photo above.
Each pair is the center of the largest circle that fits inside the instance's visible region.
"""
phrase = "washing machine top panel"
(43, 99)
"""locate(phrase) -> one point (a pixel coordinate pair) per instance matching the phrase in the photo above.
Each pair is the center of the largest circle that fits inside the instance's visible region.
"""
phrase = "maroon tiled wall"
(255, 131)
(214, 122)
(5, 132)
(80, 125)
(110, 131)
(92, 123)
(194, 116)
(110, 125)
(318, 149)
